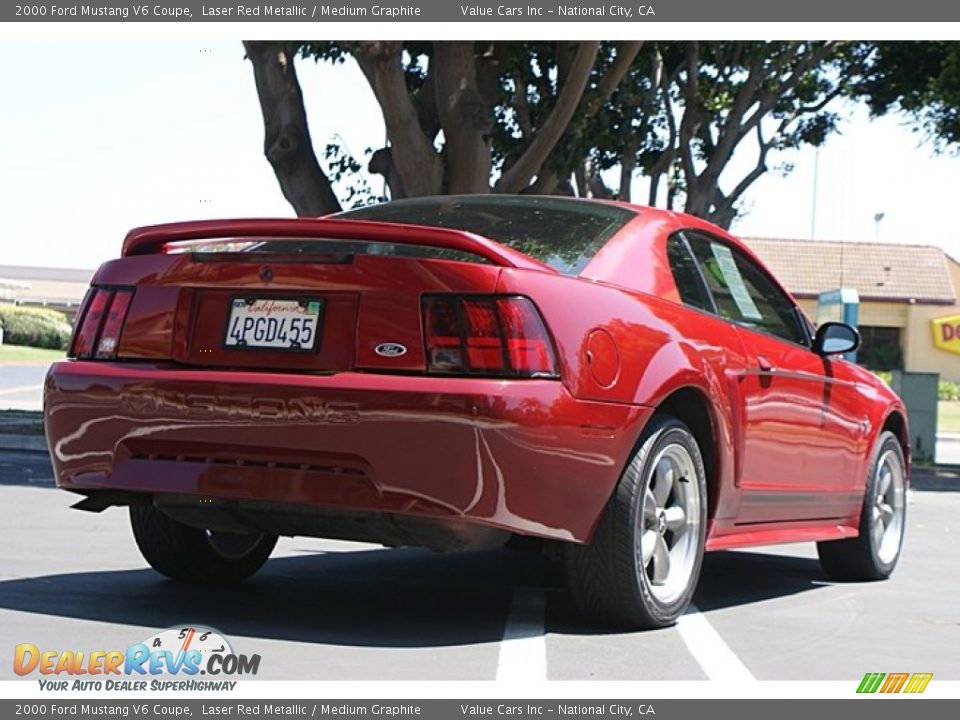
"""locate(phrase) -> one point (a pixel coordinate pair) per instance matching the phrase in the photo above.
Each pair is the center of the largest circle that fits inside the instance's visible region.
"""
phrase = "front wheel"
(189, 554)
(642, 566)
(873, 554)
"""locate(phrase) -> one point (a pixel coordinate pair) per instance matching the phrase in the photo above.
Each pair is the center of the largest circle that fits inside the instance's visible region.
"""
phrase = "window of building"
(880, 348)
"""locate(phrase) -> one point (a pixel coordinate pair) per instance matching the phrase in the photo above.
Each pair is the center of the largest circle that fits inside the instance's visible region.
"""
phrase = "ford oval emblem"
(390, 349)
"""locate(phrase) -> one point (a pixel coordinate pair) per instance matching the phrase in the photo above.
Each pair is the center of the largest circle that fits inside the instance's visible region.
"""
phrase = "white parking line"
(716, 658)
(22, 388)
(523, 650)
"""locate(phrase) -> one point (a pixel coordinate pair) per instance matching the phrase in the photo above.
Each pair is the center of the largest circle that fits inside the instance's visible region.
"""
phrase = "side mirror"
(835, 338)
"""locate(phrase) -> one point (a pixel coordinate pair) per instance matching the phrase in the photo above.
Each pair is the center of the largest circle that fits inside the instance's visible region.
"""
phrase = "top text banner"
(486, 11)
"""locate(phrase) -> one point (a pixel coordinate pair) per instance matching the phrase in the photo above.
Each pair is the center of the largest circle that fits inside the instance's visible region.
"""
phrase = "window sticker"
(733, 280)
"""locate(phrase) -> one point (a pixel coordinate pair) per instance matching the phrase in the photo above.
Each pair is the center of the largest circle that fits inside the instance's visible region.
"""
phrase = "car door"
(800, 438)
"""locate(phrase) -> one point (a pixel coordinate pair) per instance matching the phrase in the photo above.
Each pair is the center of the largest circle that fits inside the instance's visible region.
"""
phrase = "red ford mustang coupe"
(629, 385)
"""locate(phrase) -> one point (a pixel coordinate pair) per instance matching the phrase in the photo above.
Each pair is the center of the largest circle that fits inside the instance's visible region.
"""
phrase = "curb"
(22, 430)
(28, 443)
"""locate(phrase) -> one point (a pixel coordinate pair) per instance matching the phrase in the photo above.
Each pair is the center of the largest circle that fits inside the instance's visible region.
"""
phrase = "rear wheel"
(642, 566)
(186, 553)
(874, 553)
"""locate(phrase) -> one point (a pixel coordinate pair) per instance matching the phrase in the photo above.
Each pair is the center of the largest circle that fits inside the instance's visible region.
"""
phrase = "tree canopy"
(921, 79)
(559, 117)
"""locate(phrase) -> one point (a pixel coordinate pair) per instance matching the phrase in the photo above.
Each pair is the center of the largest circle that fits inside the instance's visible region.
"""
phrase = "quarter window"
(686, 276)
(744, 293)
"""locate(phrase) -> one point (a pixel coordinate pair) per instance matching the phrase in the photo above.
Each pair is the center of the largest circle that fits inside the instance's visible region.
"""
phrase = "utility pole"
(813, 209)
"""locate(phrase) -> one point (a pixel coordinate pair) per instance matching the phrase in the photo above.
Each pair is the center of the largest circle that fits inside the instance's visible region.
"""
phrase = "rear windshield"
(560, 232)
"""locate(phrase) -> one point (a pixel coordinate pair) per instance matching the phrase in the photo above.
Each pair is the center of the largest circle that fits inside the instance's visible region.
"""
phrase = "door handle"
(765, 365)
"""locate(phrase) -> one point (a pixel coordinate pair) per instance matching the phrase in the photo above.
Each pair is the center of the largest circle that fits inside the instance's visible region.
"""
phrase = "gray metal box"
(918, 390)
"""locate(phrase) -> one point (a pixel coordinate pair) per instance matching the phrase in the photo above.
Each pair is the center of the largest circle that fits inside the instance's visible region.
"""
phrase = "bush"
(949, 390)
(885, 375)
(35, 327)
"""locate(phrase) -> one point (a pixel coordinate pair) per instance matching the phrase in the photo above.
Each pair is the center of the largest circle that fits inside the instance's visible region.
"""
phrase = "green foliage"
(345, 171)
(35, 327)
(948, 391)
(921, 79)
(885, 375)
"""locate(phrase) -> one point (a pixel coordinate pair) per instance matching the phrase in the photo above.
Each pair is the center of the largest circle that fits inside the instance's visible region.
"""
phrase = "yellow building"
(909, 296)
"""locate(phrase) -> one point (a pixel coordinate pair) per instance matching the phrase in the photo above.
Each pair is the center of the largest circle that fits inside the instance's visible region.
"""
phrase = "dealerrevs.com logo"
(173, 659)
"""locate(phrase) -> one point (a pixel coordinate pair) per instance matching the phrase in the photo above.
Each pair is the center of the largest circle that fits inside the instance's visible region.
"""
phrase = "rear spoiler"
(153, 239)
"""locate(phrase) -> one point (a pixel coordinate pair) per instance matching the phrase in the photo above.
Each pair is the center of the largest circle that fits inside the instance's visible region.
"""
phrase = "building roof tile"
(878, 271)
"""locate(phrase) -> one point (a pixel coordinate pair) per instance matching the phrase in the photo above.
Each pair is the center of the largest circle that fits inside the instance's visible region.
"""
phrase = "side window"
(686, 275)
(744, 293)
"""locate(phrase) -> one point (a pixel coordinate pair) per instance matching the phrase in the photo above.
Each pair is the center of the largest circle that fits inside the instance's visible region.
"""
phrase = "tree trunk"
(530, 163)
(598, 188)
(580, 175)
(628, 163)
(381, 163)
(417, 163)
(286, 141)
(571, 72)
(466, 119)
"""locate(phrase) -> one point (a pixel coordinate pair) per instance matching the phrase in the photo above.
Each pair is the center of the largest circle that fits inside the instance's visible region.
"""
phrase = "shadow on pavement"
(729, 579)
(377, 598)
(383, 597)
(943, 479)
(373, 598)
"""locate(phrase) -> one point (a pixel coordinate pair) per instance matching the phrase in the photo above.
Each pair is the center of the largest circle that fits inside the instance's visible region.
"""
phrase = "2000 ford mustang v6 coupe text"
(630, 385)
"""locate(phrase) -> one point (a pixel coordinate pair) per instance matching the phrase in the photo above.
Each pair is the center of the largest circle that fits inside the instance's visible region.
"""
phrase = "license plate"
(273, 324)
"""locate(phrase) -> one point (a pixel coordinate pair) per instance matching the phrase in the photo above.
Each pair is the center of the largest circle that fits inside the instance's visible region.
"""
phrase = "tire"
(189, 554)
(661, 497)
(873, 554)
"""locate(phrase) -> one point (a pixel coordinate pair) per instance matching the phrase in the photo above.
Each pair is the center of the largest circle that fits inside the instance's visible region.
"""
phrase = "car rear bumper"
(519, 455)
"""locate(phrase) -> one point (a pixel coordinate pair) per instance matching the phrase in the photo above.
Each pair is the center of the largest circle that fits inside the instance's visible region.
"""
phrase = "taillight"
(487, 335)
(113, 324)
(484, 336)
(85, 333)
(97, 333)
(445, 348)
(529, 349)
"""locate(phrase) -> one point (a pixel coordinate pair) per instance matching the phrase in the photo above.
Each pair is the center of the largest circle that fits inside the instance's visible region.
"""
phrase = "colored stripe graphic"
(918, 682)
(870, 682)
(895, 682)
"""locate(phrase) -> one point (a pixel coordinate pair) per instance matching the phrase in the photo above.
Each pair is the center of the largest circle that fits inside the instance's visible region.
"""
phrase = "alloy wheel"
(887, 511)
(668, 524)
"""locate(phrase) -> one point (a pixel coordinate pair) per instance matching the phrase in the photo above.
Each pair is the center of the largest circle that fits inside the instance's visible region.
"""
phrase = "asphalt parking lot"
(21, 386)
(333, 610)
